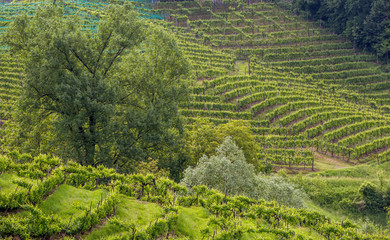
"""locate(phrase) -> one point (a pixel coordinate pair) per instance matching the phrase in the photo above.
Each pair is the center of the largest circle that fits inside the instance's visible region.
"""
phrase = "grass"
(6, 185)
(241, 68)
(191, 221)
(130, 210)
(365, 171)
(335, 192)
(323, 162)
(67, 201)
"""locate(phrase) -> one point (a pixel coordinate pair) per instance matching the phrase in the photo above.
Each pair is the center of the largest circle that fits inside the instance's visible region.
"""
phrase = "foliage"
(279, 189)
(372, 196)
(366, 23)
(112, 100)
(228, 172)
(205, 137)
(222, 216)
(151, 167)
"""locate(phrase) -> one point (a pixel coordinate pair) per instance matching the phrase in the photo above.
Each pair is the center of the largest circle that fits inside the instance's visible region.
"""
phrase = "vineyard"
(300, 87)
(290, 79)
(307, 95)
(44, 198)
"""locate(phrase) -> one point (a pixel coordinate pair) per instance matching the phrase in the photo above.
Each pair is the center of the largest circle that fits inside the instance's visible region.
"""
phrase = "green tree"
(112, 94)
(28, 131)
(365, 22)
(377, 28)
(279, 189)
(205, 137)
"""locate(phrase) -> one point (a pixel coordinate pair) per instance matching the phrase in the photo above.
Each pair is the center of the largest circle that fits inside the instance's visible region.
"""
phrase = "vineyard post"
(249, 66)
(67, 227)
(312, 164)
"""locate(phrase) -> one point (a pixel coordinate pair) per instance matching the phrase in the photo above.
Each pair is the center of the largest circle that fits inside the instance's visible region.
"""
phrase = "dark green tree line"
(365, 22)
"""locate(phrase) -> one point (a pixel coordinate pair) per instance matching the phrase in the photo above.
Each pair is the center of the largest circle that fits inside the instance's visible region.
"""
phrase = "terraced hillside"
(274, 38)
(304, 92)
(44, 199)
(284, 76)
(277, 89)
(301, 88)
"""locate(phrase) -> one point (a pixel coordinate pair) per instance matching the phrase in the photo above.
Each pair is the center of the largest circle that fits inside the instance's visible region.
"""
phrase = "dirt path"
(325, 162)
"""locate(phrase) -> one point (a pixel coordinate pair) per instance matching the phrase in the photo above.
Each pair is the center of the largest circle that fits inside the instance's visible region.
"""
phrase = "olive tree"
(228, 172)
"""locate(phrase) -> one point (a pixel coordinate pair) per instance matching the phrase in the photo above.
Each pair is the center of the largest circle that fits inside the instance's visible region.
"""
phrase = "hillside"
(298, 85)
(45, 199)
(318, 110)
(286, 77)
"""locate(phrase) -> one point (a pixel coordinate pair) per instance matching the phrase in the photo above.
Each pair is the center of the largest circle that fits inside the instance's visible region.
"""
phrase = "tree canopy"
(205, 137)
(365, 22)
(226, 171)
(111, 95)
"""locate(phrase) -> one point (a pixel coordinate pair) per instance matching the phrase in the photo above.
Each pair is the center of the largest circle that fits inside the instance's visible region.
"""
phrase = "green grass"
(241, 68)
(67, 201)
(364, 171)
(191, 221)
(6, 184)
(335, 192)
(140, 213)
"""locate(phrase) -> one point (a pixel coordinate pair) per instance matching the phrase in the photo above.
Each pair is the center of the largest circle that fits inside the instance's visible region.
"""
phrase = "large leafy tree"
(111, 94)
(205, 137)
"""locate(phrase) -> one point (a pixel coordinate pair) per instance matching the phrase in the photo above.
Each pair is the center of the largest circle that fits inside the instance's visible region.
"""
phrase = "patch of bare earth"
(336, 163)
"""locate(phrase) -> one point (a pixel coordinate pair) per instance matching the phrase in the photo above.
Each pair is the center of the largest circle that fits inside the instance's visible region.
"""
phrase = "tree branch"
(82, 61)
(69, 68)
(101, 52)
(118, 53)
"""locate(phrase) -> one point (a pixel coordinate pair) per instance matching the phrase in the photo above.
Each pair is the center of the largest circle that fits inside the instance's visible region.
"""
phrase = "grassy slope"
(190, 220)
(334, 179)
(140, 213)
(336, 191)
(69, 201)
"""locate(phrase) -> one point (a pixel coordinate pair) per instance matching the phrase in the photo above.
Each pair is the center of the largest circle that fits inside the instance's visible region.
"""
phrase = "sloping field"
(300, 87)
(74, 202)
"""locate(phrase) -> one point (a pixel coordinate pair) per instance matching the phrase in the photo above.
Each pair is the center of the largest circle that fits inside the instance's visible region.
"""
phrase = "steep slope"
(97, 203)
(292, 110)
(293, 91)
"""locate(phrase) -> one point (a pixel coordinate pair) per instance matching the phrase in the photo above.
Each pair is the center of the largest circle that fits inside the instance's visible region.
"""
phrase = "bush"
(4, 163)
(372, 197)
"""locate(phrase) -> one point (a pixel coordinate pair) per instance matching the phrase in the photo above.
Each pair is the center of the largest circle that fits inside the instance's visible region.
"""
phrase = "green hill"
(45, 199)
(314, 104)
(298, 82)
(286, 77)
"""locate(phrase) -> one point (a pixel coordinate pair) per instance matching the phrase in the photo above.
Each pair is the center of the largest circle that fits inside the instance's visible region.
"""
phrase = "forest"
(365, 23)
(229, 119)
